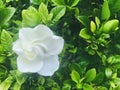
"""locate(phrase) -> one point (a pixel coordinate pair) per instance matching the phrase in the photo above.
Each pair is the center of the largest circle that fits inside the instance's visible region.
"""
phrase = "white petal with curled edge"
(17, 47)
(25, 34)
(54, 44)
(29, 66)
(50, 65)
(32, 34)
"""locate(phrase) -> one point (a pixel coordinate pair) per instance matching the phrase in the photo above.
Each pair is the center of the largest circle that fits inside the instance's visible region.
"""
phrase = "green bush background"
(90, 59)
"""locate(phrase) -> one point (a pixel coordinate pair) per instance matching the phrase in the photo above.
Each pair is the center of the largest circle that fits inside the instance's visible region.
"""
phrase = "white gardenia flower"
(37, 49)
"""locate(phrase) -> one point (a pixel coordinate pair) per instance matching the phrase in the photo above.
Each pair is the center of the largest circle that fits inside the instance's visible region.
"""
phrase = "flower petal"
(50, 65)
(54, 44)
(25, 65)
(17, 47)
(38, 33)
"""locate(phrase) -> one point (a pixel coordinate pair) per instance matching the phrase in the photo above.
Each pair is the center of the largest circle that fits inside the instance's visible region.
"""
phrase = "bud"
(110, 26)
(92, 26)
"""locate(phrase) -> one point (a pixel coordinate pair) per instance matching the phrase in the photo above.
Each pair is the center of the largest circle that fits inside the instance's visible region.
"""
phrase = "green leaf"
(59, 2)
(37, 2)
(44, 15)
(5, 85)
(114, 59)
(116, 81)
(6, 14)
(87, 87)
(79, 86)
(1, 4)
(20, 79)
(6, 41)
(2, 59)
(99, 78)
(114, 6)
(75, 76)
(3, 72)
(76, 67)
(117, 88)
(1, 48)
(102, 88)
(108, 73)
(7, 1)
(58, 12)
(73, 50)
(30, 17)
(105, 14)
(66, 87)
(16, 86)
(84, 20)
(90, 75)
(73, 2)
(84, 34)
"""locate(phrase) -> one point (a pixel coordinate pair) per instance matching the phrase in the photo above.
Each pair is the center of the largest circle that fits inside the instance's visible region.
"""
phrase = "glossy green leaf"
(90, 75)
(37, 2)
(44, 14)
(114, 59)
(1, 4)
(1, 48)
(2, 59)
(66, 87)
(58, 12)
(84, 20)
(101, 88)
(30, 17)
(16, 86)
(20, 79)
(6, 14)
(59, 2)
(3, 72)
(108, 72)
(6, 41)
(84, 34)
(114, 6)
(79, 86)
(5, 85)
(73, 2)
(87, 87)
(99, 78)
(117, 88)
(116, 81)
(105, 14)
(75, 76)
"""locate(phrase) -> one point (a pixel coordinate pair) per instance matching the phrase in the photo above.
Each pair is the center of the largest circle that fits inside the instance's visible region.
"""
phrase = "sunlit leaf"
(6, 40)
(84, 34)
(44, 14)
(87, 87)
(90, 75)
(105, 14)
(6, 14)
(5, 85)
(75, 76)
(30, 17)
(58, 12)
